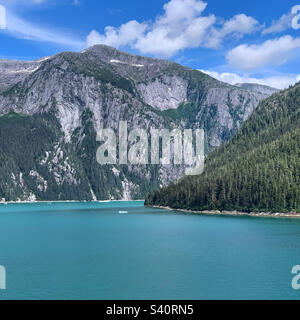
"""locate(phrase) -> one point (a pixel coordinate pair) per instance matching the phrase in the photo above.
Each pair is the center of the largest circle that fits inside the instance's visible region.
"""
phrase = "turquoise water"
(90, 251)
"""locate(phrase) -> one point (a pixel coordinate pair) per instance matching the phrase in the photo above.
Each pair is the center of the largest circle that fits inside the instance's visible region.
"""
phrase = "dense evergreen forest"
(257, 171)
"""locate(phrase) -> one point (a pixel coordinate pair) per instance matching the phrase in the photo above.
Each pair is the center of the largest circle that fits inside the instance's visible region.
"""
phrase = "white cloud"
(237, 26)
(271, 52)
(278, 82)
(283, 23)
(23, 29)
(181, 26)
(26, 30)
(125, 35)
(22, 2)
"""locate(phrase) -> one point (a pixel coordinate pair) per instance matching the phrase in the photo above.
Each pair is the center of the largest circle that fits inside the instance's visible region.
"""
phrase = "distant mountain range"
(258, 88)
(52, 108)
(257, 171)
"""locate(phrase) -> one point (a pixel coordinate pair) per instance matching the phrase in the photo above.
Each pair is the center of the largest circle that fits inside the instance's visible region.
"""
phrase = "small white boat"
(123, 212)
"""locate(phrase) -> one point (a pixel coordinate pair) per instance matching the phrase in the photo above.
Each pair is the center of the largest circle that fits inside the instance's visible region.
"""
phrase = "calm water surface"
(91, 251)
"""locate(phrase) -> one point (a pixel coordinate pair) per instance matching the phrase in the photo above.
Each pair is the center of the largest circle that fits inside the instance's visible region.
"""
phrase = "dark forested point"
(257, 171)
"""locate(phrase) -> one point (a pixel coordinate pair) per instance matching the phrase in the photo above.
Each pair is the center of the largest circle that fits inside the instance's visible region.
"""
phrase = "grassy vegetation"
(11, 117)
(185, 111)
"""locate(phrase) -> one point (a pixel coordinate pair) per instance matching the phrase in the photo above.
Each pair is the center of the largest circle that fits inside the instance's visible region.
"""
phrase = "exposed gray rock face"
(165, 93)
(12, 72)
(96, 89)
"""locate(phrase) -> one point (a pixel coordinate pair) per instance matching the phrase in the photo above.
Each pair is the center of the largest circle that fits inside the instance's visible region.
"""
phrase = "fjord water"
(91, 251)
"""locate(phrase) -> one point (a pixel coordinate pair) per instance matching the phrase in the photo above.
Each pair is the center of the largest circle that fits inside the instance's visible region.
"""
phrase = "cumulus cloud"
(278, 82)
(271, 52)
(117, 37)
(283, 23)
(182, 25)
(237, 26)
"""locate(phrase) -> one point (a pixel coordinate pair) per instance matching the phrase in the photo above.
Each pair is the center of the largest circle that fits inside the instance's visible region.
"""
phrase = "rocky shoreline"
(234, 213)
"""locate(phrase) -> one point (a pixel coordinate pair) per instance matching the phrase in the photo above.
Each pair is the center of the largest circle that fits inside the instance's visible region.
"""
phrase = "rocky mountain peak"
(67, 98)
(111, 55)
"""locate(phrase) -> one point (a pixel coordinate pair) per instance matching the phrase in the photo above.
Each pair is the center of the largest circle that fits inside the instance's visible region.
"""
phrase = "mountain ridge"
(71, 96)
(259, 88)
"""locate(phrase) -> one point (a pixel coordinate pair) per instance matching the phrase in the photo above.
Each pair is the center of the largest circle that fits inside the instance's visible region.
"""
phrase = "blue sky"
(232, 40)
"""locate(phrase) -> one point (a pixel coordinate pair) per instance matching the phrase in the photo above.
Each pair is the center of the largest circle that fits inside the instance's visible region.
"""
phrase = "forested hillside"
(257, 171)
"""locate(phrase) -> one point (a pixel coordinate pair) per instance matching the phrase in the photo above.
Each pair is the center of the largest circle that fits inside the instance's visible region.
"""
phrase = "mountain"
(12, 72)
(257, 171)
(51, 110)
(258, 88)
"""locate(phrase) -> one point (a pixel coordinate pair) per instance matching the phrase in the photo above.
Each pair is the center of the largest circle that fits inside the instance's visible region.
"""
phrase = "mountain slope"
(258, 170)
(258, 88)
(73, 95)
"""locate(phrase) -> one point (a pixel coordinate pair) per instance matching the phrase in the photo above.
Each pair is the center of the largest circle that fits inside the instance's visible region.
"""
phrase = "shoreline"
(67, 201)
(204, 213)
(232, 213)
